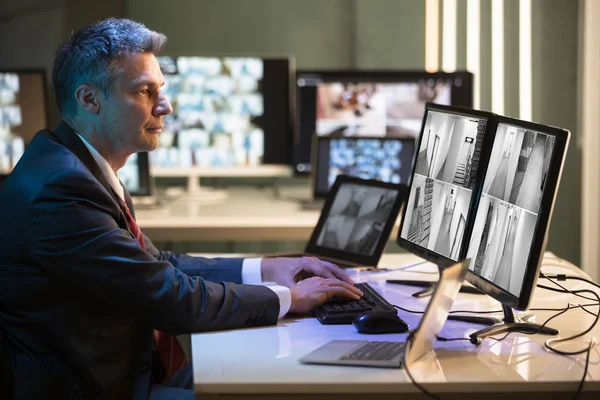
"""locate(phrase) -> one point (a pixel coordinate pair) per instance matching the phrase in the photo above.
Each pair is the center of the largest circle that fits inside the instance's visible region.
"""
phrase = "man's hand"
(288, 271)
(312, 292)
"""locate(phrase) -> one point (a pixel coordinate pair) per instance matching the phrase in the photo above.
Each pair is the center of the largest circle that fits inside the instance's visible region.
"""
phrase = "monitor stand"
(203, 195)
(429, 287)
(510, 323)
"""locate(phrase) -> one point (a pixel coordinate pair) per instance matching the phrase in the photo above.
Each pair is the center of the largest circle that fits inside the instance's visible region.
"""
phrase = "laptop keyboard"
(344, 311)
(376, 351)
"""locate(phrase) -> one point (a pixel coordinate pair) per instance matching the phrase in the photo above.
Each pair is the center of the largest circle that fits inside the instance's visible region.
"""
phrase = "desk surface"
(264, 361)
(245, 214)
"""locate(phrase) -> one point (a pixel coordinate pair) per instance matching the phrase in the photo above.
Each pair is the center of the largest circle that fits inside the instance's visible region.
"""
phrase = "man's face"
(133, 111)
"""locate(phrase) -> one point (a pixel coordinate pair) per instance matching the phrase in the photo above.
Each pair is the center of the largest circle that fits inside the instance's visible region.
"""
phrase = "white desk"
(263, 362)
(245, 215)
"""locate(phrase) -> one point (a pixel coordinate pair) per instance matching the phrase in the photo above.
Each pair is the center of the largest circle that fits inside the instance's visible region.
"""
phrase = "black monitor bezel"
(429, 255)
(538, 245)
(145, 182)
(358, 259)
(464, 98)
(288, 147)
(318, 140)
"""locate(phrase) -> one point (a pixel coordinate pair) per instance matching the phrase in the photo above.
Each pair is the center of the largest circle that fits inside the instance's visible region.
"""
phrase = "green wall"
(555, 36)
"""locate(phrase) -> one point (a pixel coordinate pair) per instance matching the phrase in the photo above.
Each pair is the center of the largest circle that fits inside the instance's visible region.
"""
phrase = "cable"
(548, 344)
(409, 340)
(563, 277)
(456, 339)
(563, 291)
(562, 263)
(585, 369)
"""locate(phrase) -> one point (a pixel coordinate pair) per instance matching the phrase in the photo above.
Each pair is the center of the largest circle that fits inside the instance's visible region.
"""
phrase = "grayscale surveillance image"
(450, 148)
(357, 218)
(501, 241)
(436, 216)
(518, 166)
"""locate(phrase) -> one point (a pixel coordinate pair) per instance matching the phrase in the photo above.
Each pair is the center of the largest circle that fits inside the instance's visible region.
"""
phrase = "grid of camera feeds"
(443, 181)
(509, 206)
(384, 159)
(217, 102)
(11, 145)
(376, 109)
(357, 218)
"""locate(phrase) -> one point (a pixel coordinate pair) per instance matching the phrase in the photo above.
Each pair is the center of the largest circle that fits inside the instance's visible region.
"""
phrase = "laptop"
(355, 223)
(392, 354)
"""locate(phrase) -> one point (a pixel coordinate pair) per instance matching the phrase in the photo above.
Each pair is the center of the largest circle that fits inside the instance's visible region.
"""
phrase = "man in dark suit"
(81, 289)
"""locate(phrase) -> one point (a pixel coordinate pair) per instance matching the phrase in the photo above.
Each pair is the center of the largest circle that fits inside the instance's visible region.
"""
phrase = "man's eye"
(144, 91)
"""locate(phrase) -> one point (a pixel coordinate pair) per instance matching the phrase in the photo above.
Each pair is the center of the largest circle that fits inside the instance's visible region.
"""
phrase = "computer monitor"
(23, 112)
(443, 188)
(135, 175)
(508, 238)
(485, 193)
(228, 111)
(370, 103)
(383, 158)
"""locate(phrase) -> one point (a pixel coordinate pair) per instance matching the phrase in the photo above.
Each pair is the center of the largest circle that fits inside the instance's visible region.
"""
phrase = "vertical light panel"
(473, 54)
(525, 63)
(449, 36)
(589, 82)
(432, 15)
(498, 56)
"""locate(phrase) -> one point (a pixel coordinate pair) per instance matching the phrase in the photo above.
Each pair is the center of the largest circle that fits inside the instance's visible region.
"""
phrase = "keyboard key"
(344, 311)
(376, 351)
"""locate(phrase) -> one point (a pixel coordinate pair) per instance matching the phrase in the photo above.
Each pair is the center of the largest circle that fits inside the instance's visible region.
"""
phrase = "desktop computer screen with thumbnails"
(228, 111)
(385, 159)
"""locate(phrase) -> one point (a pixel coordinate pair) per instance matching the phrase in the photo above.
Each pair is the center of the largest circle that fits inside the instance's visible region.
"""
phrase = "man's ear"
(88, 97)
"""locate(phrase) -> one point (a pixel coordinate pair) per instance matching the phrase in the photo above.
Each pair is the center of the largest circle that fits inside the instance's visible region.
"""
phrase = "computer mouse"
(375, 322)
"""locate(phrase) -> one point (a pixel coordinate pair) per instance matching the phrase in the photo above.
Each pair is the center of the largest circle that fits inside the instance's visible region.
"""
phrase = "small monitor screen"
(384, 159)
(443, 181)
(509, 206)
(370, 103)
(227, 111)
(357, 218)
(135, 175)
(23, 113)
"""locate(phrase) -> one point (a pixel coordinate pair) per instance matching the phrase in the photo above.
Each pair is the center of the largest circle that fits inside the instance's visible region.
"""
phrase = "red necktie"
(170, 351)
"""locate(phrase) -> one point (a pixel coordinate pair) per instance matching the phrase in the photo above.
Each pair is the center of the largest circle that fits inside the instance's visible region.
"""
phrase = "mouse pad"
(390, 354)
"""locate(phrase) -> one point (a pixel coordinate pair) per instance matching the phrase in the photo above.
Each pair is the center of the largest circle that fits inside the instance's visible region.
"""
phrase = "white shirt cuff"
(252, 275)
(285, 298)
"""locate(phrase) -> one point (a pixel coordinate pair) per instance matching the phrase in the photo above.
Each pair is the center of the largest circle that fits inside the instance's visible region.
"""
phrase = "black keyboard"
(344, 311)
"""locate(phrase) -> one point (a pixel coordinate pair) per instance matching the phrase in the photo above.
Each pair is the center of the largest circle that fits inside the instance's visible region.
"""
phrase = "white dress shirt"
(251, 268)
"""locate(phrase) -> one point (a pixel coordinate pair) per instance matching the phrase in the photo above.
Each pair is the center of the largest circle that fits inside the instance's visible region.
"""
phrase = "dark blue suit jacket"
(79, 298)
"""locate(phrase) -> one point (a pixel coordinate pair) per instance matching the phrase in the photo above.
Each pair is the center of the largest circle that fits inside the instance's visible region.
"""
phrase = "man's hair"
(90, 55)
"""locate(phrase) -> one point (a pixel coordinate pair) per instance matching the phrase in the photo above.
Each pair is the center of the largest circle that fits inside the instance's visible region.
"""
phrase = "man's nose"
(163, 107)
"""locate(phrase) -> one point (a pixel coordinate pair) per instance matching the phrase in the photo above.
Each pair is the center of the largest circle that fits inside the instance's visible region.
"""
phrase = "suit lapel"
(68, 138)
